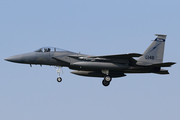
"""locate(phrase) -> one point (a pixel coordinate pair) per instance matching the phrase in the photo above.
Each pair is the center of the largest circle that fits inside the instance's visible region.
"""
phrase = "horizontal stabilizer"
(168, 64)
(162, 72)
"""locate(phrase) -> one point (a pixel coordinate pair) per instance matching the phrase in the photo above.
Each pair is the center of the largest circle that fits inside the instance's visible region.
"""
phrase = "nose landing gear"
(58, 70)
(59, 79)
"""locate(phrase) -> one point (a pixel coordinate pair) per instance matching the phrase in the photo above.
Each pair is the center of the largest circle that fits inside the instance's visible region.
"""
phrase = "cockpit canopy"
(49, 49)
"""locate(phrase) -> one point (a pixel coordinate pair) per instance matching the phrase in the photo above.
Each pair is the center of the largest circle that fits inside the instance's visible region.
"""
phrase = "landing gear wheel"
(58, 69)
(59, 79)
(107, 78)
(105, 83)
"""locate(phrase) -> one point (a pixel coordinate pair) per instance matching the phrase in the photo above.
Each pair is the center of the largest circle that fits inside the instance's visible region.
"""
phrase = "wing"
(123, 58)
(120, 58)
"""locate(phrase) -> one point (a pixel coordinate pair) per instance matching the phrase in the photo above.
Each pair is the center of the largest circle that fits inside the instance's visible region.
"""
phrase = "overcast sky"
(94, 27)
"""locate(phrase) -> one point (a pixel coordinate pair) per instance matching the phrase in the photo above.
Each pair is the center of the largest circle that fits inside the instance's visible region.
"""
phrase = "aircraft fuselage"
(107, 66)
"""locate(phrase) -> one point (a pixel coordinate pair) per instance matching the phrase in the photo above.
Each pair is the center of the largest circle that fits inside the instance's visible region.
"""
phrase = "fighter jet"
(106, 66)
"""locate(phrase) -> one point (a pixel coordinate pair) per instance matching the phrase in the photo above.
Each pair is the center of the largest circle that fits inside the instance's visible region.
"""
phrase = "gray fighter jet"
(107, 66)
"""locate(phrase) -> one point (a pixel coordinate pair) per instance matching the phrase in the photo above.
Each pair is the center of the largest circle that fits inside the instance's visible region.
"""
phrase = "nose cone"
(16, 58)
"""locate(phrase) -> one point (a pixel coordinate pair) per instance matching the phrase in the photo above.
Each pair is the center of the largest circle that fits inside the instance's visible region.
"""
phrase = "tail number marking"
(149, 57)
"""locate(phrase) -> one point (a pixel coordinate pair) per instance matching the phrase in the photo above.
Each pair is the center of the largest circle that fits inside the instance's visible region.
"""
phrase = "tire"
(59, 79)
(105, 83)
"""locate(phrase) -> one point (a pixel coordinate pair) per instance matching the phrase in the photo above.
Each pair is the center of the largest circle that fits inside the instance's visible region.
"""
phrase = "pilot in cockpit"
(45, 50)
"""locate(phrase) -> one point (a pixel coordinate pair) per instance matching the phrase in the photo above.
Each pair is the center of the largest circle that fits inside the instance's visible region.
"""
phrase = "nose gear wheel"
(59, 79)
(58, 70)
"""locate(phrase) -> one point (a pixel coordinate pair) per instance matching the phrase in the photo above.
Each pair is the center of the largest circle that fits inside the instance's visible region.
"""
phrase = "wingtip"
(160, 35)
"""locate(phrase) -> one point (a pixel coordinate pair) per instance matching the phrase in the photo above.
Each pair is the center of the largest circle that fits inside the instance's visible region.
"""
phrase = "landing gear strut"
(107, 78)
(58, 70)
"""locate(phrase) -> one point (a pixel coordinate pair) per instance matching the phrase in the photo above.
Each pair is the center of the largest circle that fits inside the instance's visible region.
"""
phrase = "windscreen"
(49, 49)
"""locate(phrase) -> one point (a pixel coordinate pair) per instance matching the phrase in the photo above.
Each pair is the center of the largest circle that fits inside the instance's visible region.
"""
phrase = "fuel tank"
(97, 73)
(99, 65)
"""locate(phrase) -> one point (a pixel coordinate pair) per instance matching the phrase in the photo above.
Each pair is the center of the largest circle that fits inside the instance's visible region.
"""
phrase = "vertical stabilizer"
(154, 53)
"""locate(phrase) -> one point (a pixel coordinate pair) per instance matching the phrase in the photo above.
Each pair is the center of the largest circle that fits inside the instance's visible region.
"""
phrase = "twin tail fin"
(154, 53)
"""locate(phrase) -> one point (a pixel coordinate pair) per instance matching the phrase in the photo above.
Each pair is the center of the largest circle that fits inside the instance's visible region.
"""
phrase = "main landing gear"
(106, 81)
(58, 70)
(107, 78)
